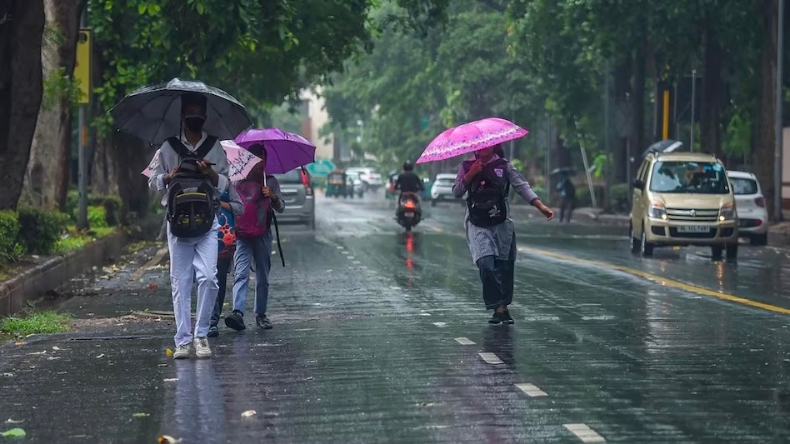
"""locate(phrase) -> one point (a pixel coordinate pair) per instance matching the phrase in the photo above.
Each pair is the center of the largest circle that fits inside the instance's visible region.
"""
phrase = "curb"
(55, 272)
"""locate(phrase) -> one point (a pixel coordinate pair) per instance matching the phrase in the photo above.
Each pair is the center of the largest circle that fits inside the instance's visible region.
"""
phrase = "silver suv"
(299, 198)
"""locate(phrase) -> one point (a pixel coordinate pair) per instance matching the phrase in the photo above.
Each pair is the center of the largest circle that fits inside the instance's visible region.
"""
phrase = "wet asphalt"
(381, 336)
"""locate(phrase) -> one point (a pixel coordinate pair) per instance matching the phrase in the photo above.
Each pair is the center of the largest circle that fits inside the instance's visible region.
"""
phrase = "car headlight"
(727, 212)
(657, 211)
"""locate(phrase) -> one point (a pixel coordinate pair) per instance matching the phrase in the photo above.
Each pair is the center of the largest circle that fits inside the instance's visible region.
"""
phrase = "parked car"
(299, 197)
(369, 176)
(442, 188)
(750, 204)
(683, 199)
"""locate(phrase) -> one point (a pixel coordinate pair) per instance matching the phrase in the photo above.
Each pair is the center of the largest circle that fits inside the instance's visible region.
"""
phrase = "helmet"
(407, 166)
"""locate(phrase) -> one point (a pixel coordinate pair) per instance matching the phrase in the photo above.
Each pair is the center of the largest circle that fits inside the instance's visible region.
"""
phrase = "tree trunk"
(129, 157)
(712, 93)
(47, 180)
(763, 157)
(21, 28)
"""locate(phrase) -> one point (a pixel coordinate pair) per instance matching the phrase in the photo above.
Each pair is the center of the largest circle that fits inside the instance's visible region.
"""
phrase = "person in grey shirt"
(493, 248)
(192, 258)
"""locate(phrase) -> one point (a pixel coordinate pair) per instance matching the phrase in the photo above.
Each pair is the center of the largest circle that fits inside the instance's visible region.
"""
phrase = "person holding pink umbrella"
(486, 180)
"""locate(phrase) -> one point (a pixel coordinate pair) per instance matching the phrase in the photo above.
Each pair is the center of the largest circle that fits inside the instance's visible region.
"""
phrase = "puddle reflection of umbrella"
(153, 113)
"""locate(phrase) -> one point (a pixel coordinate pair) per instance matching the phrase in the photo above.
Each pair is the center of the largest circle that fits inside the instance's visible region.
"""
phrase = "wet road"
(381, 336)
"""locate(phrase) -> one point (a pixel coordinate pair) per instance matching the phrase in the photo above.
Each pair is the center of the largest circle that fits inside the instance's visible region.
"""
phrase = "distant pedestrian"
(568, 202)
(226, 243)
(489, 228)
(261, 196)
(193, 189)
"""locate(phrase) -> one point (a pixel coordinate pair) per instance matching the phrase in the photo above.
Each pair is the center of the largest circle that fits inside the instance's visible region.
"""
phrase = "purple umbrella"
(284, 151)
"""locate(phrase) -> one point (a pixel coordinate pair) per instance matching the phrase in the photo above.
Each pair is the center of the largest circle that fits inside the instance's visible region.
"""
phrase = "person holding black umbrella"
(192, 256)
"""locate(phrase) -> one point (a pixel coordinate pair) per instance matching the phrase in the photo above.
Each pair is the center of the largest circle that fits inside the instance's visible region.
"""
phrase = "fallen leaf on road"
(428, 404)
(141, 415)
(171, 379)
(167, 439)
(14, 433)
(169, 352)
(152, 286)
(13, 421)
(19, 344)
(249, 413)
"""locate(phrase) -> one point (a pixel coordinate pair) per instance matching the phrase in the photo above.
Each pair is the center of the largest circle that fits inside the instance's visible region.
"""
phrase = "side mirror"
(638, 184)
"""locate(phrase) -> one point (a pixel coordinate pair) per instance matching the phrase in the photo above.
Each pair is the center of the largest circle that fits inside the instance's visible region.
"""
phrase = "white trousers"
(192, 258)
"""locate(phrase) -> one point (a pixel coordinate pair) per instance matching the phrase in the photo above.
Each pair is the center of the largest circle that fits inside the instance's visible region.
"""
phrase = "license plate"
(694, 229)
(409, 214)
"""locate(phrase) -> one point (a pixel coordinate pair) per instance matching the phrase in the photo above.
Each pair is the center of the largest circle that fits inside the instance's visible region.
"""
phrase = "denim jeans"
(258, 249)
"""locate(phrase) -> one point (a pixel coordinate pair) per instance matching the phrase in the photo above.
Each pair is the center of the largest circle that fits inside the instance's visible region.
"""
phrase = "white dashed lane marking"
(490, 358)
(440, 324)
(584, 433)
(464, 341)
(531, 390)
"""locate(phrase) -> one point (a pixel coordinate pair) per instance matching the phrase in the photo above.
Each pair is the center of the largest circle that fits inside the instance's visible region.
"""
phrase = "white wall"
(318, 117)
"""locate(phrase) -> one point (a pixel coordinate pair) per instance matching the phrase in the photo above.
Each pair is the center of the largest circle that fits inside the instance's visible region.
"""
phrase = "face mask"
(194, 124)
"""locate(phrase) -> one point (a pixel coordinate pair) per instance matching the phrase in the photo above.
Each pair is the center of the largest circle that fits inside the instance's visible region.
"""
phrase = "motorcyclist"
(408, 181)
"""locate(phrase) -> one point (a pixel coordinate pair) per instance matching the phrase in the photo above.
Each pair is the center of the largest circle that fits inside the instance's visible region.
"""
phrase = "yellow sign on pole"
(82, 67)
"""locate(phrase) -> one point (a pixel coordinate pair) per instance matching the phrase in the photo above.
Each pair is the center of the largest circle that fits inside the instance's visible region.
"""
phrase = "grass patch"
(75, 239)
(39, 322)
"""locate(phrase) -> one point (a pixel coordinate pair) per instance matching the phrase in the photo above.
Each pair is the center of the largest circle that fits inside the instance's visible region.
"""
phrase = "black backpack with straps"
(486, 199)
(191, 204)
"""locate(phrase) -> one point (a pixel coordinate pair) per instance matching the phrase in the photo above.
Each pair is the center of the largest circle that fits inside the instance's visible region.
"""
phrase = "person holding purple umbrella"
(489, 229)
(261, 197)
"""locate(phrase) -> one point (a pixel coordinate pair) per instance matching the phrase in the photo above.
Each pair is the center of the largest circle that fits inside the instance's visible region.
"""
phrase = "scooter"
(409, 212)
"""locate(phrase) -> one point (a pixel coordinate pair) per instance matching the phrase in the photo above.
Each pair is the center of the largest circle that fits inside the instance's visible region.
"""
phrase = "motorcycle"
(408, 213)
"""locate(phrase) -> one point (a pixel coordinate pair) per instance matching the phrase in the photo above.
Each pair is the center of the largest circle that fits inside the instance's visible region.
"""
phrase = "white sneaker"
(202, 350)
(182, 351)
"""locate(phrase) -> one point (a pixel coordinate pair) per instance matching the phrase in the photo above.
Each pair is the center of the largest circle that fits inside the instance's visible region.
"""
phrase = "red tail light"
(757, 222)
(760, 201)
(409, 204)
(308, 189)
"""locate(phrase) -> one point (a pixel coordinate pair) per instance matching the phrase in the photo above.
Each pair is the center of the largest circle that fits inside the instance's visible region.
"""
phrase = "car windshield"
(689, 177)
(743, 185)
(293, 176)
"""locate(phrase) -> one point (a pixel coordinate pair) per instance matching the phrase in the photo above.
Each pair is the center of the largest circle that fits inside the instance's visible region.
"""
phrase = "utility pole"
(778, 119)
(693, 103)
(607, 148)
(83, 69)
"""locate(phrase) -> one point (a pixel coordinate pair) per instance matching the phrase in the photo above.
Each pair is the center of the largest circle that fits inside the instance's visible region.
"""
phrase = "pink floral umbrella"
(471, 137)
(241, 161)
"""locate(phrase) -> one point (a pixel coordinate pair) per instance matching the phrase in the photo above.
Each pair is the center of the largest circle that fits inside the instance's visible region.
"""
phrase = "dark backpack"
(191, 206)
(486, 198)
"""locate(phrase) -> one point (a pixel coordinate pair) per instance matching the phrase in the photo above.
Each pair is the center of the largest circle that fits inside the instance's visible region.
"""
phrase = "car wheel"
(311, 223)
(636, 246)
(732, 252)
(647, 247)
(760, 239)
(716, 251)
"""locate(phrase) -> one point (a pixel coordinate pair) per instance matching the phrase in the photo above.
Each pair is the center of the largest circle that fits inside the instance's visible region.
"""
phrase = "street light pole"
(778, 119)
(693, 103)
(607, 140)
(82, 220)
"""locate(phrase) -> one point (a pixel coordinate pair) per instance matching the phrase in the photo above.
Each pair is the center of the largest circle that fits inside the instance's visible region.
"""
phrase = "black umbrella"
(563, 170)
(153, 113)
